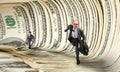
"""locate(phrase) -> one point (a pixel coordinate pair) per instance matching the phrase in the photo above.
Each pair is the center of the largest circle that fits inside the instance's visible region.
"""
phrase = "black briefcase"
(84, 48)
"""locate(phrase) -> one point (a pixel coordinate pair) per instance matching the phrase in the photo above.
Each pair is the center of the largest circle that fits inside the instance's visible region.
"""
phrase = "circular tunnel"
(47, 20)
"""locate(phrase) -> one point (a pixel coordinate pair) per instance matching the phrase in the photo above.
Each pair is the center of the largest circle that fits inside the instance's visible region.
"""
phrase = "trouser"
(75, 43)
(77, 50)
(29, 43)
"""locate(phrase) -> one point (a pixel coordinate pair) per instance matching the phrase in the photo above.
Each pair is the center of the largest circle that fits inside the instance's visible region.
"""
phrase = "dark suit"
(76, 41)
(29, 40)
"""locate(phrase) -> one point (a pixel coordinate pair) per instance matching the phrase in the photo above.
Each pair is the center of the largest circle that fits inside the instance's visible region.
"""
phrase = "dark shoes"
(29, 48)
(78, 62)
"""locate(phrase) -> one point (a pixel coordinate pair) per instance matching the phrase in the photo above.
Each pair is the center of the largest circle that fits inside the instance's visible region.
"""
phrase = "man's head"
(75, 23)
(30, 32)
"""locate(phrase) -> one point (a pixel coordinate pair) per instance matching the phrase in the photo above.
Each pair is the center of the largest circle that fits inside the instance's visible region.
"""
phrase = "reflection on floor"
(60, 62)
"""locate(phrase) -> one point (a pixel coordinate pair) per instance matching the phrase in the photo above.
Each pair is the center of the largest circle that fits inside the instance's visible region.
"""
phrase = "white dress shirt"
(75, 33)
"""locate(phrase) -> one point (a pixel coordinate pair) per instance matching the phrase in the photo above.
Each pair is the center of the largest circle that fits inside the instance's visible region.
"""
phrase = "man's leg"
(77, 53)
(29, 42)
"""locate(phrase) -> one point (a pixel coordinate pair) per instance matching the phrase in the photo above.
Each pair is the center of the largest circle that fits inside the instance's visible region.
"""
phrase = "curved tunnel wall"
(47, 19)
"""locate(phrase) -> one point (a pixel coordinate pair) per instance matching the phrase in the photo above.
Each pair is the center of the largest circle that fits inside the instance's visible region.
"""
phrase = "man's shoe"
(78, 62)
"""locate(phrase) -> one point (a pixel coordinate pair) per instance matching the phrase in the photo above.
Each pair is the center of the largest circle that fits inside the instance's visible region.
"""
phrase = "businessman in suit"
(30, 39)
(76, 36)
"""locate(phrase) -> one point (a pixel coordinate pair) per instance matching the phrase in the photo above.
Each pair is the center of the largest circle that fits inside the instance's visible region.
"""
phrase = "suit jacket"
(80, 33)
(83, 45)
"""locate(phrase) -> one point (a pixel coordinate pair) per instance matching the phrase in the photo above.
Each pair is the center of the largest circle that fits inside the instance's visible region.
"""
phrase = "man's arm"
(69, 27)
(33, 38)
(82, 34)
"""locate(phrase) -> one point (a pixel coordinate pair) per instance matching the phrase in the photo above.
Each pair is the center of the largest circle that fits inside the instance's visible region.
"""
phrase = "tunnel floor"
(59, 62)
